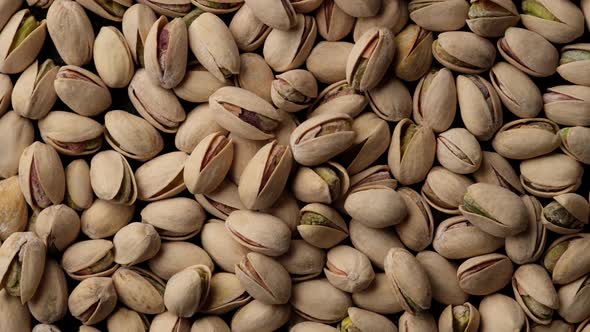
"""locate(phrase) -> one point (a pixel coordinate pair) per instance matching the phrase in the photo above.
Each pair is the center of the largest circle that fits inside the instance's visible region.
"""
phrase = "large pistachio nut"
(444, 190)
(339, 97)
(567, 105)
(199, 124)
(161, 177)
(33, 95)
(187, 290)
(309, 326)
(140, 290)
(303, 261)
(516, 45)
(257, 77)
(566, 214)
(435, 100)
(550, 175)
(93, 300)
(535, 292)
(71, 134)
(165, 52)
(258, 316)
(461, 317)
(90, 258)
(137, 22)
(485, 274)
(439, 15)
(480, 106)
(41, 176)
(458, 151)
(348, 269)
(264, 278)
(514, 141)
(82, 90)
(334, 70)
(132, 136)
(50, 302)
(286, 208)
(294, 90)
(219, 244)
(388, 206)
(516, 90)
(390, 100)
(325, 183)
(558, 21)
(171, 8)
(317, 300)
(58, 226)
(248, 31)
(208, 163)
(111, 10)
(333, 23)
(103, 218)
(71, 32)
(287, 49)
(443, 278)
(417, 230)
(574, 143)
(574, 300)
(457, 238)
(124, 319)
(411, 152)
(495, 169)
(492, 18)
(16, 133)
(419, 322)
(373, 242)
(364, 320)
(369, 59)
(565, 258)
(408, 280)
(13, 208)
(175, 256)
(259, 232)
(175, 219)
(210, 324)
(573, 63)
(378, 297)
(112, 178)
(223, 201)
(528, 246)
(464, 52)
(108, 45)
(21, 40)
(168, 322)
(322, 226)
(413, 52)
(225, 294)
(393, 15)
(136, 243)
(14, 315)
(5, 93)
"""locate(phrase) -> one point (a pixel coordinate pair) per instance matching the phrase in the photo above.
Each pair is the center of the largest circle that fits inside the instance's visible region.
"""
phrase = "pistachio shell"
(161, 177)
(444, 190)
(82, 90)
(334, 70)
(413, 52)
(567, 214)
(333, 23)
(388, 209)
(573, 64)
(42, 175)
(513, 139)
(464, 315)
(573, 300)
(124, 319)
(255, 75)
(317, 300)
(136, 243)
(574, 143)
(515, 48)
(417, 230)
(264, 278)
(458, 151)
(563, 22)
(287, 49)
(177, 255)
(16, 133)
(371, 140)
(13, 208)
(112, 179)
(225, 294)
(464, 52)
(103, 218)
(248, 31)
(70, 133)
(373, 242)
(408, 280)
(339, 96)
(165, 53)
(140, 290)
(137, 21)
(33, 95)
(516, 90)
(132, 136)
(277, 15)
(259, 232)
(110, 44)
(439, 15)
(14, 59)
(71, 32)
(321, 226)
(567, 104)
(208, 164)
(481, 110)
(435, 100)
(378, 297)
(50, 302)
(168, 322)
(457, 238)
(550, 175)
(90, 258)
(256, 316)
(443, 278)
(497, 305)
(15, 316)
(93, 300)
(58, 226)
(348, 269)
(199, 124)
(369, 58)
(210, 324)
(390, 100)
(187, 290)
(294, 90)
(496, 170)
(303, 261)
(422, 321)
(177, 218)
(535, 293)
(528, 246)
(223, 201)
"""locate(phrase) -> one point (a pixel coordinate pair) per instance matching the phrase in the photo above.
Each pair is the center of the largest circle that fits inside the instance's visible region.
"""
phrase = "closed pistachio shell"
(439, 15)
(136, 243)
(443, 278)
(287, 49)
(93, 300)
(223, 201)
(71, 32)
(390, 100)
(378, 297)
(512, 140)
(567, 104)
(168, 322)
(248, 31)
(458, 151)
(435, 100)
(495, 169)
(333, 23)
(137, 22)
(34, 95)
(175, 256)
(140, 290)
(485, 274)
(219, 244)
(82, 90)
(259, 232)
(132, 136)
(41, 174)
(16, 55)
(457, 238)
(303, 261)
(166, 50)
(322, 226)
(13, 208)
(257, 316)
(413, 52)
(348, 269)
(519, 94)
(210, 324)
(480, 106)
(494, 306)
(464, 316)
(124, 319)
(573, 300)
(70, 133)
(558, 21)
(339, 97)
(317, 300)
(464, 52)
(187, 290)
(90, 258)
(198, 84)
(535, 293)
(408, 280)
(364, 320)
(373, 242)
(574, 143)
(444, 190)
(515, 48)
(528, 246)
(58, 226)
(103, 218)
(50, 302)
(177, 218)
(334, 70)
(199, 124)
(208, 164)
(573, 63)
(255, 76)
(567, 214)
(277, 15)
(417, 230)
(369, 59)
(15, 315)
(108, 46)
(16, 133)
(550, 175)
(112, 178)
(388, 209)
(264, 278)
(225, 294)
(422, 321)
(161, 177)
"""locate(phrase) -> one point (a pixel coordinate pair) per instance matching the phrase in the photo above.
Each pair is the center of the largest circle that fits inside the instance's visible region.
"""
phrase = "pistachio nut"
(480, 106)
(33, 95)
(528, 246)
(248, 31)
(339, 97)
(41, 176)
(573, 143)
(93, 300)
(558, 21)
(82, 90)
(439, 15)
(565, 258)
(16, 133)
(464, 52)
(21, 40)
(491, 18)
(112, 178)
(264, 278)
(556, 325)
(574, 299)
(566, 214)
(303, 261)
(435, 100)
(187, 290)
(408, 280)
(411, 152)
(369, 59)
(259, 232)
(218, 6)
(278, 15)
(286, 208)
(378, 297)
(444, 190)
(373, 242)
(45, 328)
(457, 238)
(417, 230)
(90, 258)
(458, 151)
(161, 177)
(70, 133)
(514, 141)
(208, 164)
(485, 274)
(171, 8)
(219, 244)
(257, 77)
(535, 293)
(71, 32)
(388, 206)
(309, 326)
(421, 321)
(136, 243)
(461, 317)
(5, 93)
(333, 23)
(519, 94)
(175, 256)
(57, 226)
(15, 315)
(294, 90)
(137, 22)
(103, 218)
(165, 52)
(364, 320)
(495, 169)
(13, 208)
(392, 15)
(111, 9)
(225, 294)
(287, 49)
(199, 124)
(210, 324)
(348, 269)
(50, 302)
(390, 100)
(175, 219)
(223, 201)
(305, 6)
(322, 226)
(443, 278)
(168, 322)
(108, 45)
(332, 71)
(317, 300)
(567, 105)
(132, 136)
(550, 175)
(8, 8)
(516, 45)
(124, 319)
(140, 290)
(258, 316)
(573, 63)
(413, 52)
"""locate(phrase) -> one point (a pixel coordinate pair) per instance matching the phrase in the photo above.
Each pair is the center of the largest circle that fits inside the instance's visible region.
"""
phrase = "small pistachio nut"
(259, 232)
(218, 6)
(388, 206)
(480, 106)
(567, 105)
(333, 23)
(90, 258)
(443, 278)
(50, 302)
(417, 230)
(379, 297)
(13, 208)
(322, 226)
(112, 178)
(413, 52)
(165, 52)
(93, 300)
(112, 10)
(258, 316)
(464, 52)
(519, 94)
(444, 190)
(218, 242)
(574, 143)
(551, 175)
(373, 242)
(8, 8)
(71, 32)
(392, 15)
(309, 326)
(16, 133)
(411, 152)
(499, 312)
(175, 219)
(495, 169)
(408, 280)
(5, 93)
(140, 290)
(369, 59)
(264, 278)
(573, 63)
(161, 177)
(137, 22)
(288, 49)
(15, 315)
(558, 21)
(332, 71)
(457, 238)
(566, 214)
(199, 124)
(485, 274)
(21, 40)
(82, 90)
(210, 324)
(303, 261)
(460, 317)
(103, 218)
(294, 90)
(278, 15)
(170, 8)
(492, 18)
(136, 243)
(439, 15)
(390, 100)
(257, 77)
(348, 269)
(132, 136)
(108, 45)
(223, 201)
(528, 246)
(187, 290)
(225, 294)
(124, 319)
(364, 320)
(458, 151)
(435, 100)
(514, 141)
(71, 134)
(41, 176)
(317, 300)
(574, 299)
(33, 95)
(535, 292)
(421, 321)
(339, 97)
(168, 322)
(208, 164)
(516, 45)
(248, 31)
(175, 256)
(21, 265)
(57, 226)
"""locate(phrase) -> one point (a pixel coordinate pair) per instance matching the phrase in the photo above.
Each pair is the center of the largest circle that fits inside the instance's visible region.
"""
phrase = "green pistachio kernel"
(112, 7)
(534, 8)
(347, 325)
(190, 17)
(564, 133)
(460, 318)
(538, 309)
(573, 56)
(407, 136)
(480, 9)
(216, 5)
(312, 218)
(554, 254)
(44, 69)
(27, 26)
(102, 265)
(13, 279)
(558, 215)
(470, 205)
(331, 178)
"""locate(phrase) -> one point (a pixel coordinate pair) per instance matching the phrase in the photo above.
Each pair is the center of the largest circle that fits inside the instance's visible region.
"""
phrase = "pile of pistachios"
(294, 165)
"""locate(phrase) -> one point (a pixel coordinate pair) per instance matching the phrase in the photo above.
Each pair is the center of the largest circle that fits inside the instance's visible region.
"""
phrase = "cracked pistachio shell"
(322, 226)
(359, 8)
(485, 274)
(294, 90)
(112, 178)
(210, 324)
(288, 49)
(496, 210)
(112, 10)
(264, 278)
(82, 90)
(259, 232)
(71, 134)
(550, 175)
(199, 124)
(492, 18)
(378, 297)
(218, 6)
(339, 97)
(137, 22)
(371, 140)
(574, 300)
(464, 52)
(171, 8)
(225, 294)
(417, 230)
(574, 143)
(22, 261)
(16, 133)
(558, 21)
(223, 201)
(208, 164)
(369, 59)
(136, 243)
(219, 244)
(457, 238)
(480, 106)
(278, 15)
(317, 300)
(495, 169)
(50, 302)
(435, 100)
(140, 290)
(573, 63)
(258, 316)
(256, 76)
(57, 226)
(132, 136)
(168, 322)
(519, 94)
(411, 152)
(166, 51)
(16, 54)
(413, 52)
(419, 322)
(13, 208)
(535, 293)
(566, 214)
(14, 315)
(373, 242)
(332, 71)
(5, 93)
(264, 178)
(439, 15)
(458, 151)
(161, 177)
(124, 319)
(568, 105)
(408, 280)
(388, 206)
(33, 95)
(175, 219)
(308, 326)
(90, 258)
(286, 208)
(528, 246)
(71, 32)
(514, 139)
(459, 317)
(392, 15)
(364, 320)
(112, 58)
(333, 23)
(45, 328)
(303, 261)
(390, 100)
(443, 278)
(93, 300)
(41, 174)
(516, 45)
(556, 325)
(248, 31)
(175, 256)
(103, 218)
(7, 8)
(187, 290)
(499, 312)
(444, 190)
(348, 269)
